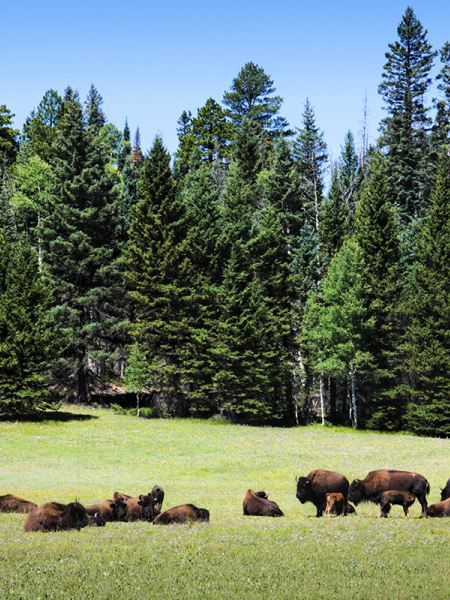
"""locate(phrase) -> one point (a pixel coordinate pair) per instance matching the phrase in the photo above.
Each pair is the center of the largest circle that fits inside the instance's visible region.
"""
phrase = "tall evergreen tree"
(376, 231)
(80, 249)
(125, 147)
(158, 277)
(406, 79)
(94, 113)
(39, 130)
(251, 97)
(427, 345)
(28, 331)
(441, 128)
(211, 132)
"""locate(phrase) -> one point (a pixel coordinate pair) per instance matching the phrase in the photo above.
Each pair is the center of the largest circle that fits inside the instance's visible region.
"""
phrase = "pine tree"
(251, 97)
(80, 249)
(427, 304)
(136, 150)
(211, 132)
(441, 128)
(406, 79)
(158, 277)
(94, 113)
(376, 231)
(8, 138)
(28, 331)
(186, 145)
(39, 129)
(125, 147)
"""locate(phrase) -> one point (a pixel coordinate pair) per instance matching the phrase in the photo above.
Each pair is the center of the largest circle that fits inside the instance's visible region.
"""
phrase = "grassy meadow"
(212, 464)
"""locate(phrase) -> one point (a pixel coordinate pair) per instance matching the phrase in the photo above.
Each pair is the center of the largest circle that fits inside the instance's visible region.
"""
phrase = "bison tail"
(428, 488)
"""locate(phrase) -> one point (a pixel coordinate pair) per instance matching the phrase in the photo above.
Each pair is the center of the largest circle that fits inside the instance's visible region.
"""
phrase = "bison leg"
(384, 510)
(422, 498)
(405, 510)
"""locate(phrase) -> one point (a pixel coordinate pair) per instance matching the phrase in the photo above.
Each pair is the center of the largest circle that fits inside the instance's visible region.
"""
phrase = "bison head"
(304, 491)
(119, 510)
(75, 516)
(357, 492)
(445, 492)
(149, 507)
(157, 495)
(96, 520)
(202, 514)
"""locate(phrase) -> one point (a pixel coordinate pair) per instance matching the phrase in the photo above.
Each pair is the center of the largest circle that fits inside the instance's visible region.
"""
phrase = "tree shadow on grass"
(51, 415)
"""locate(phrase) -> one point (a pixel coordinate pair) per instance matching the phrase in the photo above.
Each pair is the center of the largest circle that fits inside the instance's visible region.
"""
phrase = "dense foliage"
(229, 279)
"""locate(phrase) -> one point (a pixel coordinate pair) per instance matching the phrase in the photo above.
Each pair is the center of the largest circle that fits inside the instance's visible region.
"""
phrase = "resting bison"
(184, 513)
(336, 504)
(109, 510)
(257, 504)
(405, 499)
(376, 482)
(143, 507)
(53, 516)
(439, 509)
(317, 484)
(445, 492)
(10, 503)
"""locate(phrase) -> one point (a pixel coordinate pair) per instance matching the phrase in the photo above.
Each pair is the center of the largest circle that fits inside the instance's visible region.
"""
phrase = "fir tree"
(95, 116)
(186, 145)
(158, 277)
(406, 79)
(441, 129)
(28, 331)
(376, 231)
(211, 132)
(427, 304)
(79, 234)
(125, 147)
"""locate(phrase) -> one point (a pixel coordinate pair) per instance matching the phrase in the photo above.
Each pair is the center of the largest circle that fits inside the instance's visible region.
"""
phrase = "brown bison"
(143, 507)
(376, 482)
(54, 516)
(184, 513)
(389, 497)
(10, 503)
(317, 484)
(439, 509)
(257, 504)
(109, 510)
(445, 492)
(336, 504)
(350, 509)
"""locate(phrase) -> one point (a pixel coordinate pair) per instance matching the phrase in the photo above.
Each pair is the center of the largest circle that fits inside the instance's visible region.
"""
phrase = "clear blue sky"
(152, 60)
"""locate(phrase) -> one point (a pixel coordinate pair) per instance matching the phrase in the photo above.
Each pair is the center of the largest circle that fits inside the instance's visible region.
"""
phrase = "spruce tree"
(39, 130)
(211, 132)
(125, 147)
(80, 250)
(376, 231)
(427, 346)
(441, 129)
(8, 138)
(28, 331)
(406, 79)
(158, 277)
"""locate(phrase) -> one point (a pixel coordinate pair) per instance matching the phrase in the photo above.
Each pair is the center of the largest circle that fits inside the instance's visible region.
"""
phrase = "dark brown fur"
(317, 484)
(258, 505)
(109, 510)
(11, 503)
(336, 504)
(53, 516)
(439, 509)
(143, 507)
(389, 497)
(376, 482)
(445, 492)
(184, 513)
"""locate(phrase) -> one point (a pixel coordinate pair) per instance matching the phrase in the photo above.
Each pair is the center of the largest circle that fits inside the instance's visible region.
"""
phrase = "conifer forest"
(246, 276)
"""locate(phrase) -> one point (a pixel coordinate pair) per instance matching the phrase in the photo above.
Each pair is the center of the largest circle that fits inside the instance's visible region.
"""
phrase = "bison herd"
(329, 492)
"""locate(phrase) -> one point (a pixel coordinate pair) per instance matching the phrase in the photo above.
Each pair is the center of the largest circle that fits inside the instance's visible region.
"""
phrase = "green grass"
(212, 464)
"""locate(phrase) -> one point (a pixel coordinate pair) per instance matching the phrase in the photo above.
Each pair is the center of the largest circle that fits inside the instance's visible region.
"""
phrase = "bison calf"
(336, 504)
(11, 503)
(184, 513)
(257, 504)
(109, 510)
(143, 507)
(389, 497)
(54, 516)
(439, 509)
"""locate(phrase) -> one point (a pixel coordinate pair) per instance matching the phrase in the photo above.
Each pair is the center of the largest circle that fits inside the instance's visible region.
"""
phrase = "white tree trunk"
(322, 401)
(353, 406)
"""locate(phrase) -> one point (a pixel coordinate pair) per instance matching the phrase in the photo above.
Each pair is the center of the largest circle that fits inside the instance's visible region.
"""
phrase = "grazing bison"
(184, 513)
(143, 507)
(257, 504)
(317, 484)
(54, 516)
(445, 492)
(336, 504)
(109, 510)
(389, 497)
(10, 503)
(439, 509)
(376, 482)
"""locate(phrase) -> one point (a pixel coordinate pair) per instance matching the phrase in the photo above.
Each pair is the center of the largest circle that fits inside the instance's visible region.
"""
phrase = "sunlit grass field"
(212, 464)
